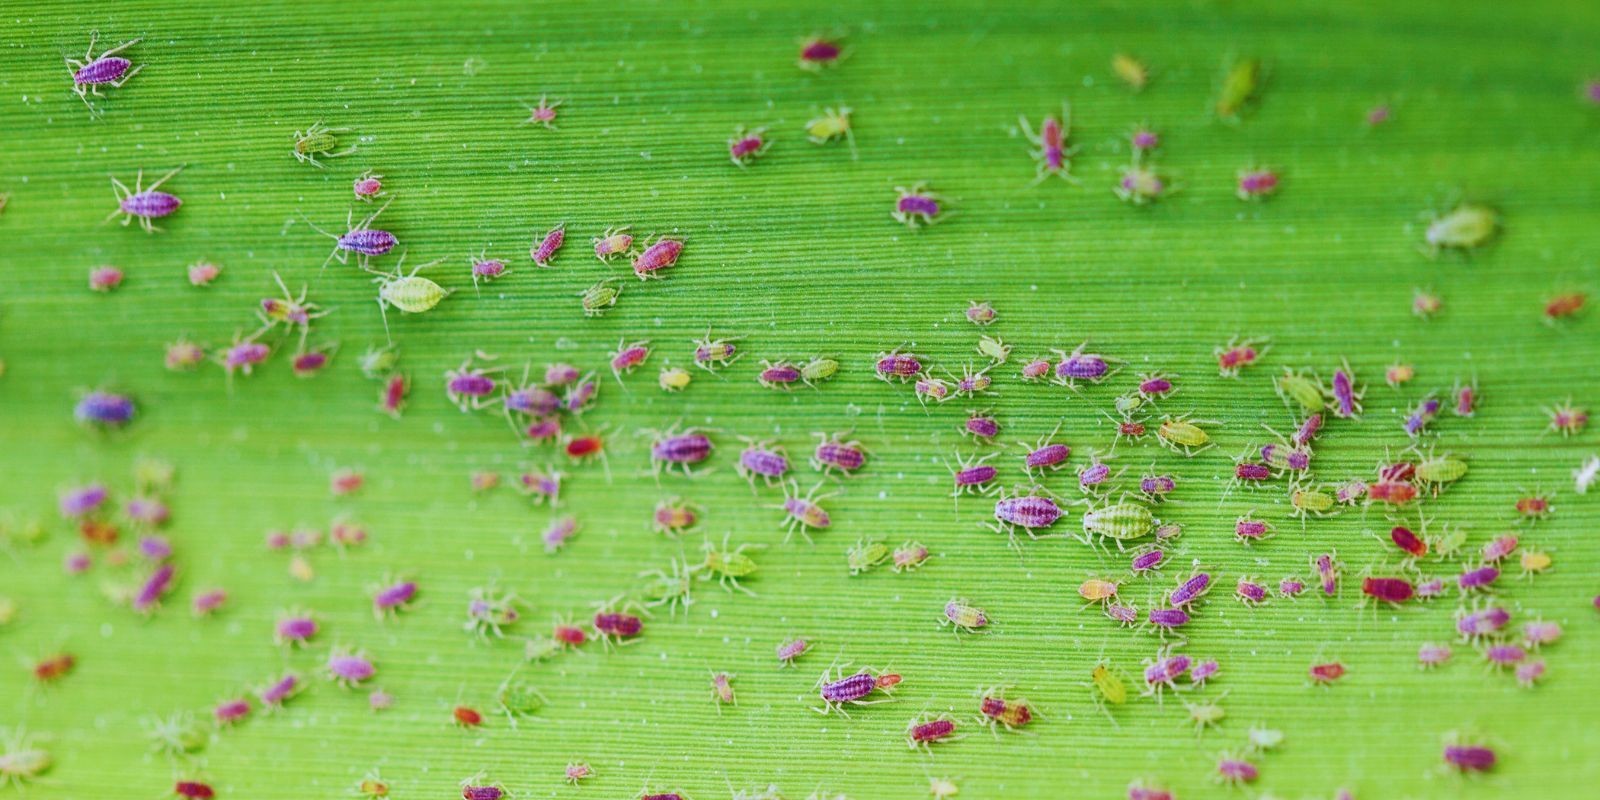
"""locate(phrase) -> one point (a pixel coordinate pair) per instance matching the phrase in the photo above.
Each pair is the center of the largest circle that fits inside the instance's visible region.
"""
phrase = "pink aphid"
(541, 486)
(153, 589)
(547, 429)
(244, 355)
(1155, 385)
(1093, 474)
(1148, 561)
(310, 363)
(1498, 548)
(1235, 356)
(1143, 140)
(1126, 615)
(895, 364)
(657, 256)
(77, 563)
(581, 395)
(1431, 655)
(183, 356)
(1164, 671)
(1190, 590)
(1204, 671)
(790, 650)
(106, 69)
(393, 598)
(804, 512)
(1166, 619)
(231, 711)
(1430, 588)
(747, 146)
(360, 238)
(1378, 115)
(207, 602)
(278, 692)
(981, 426)
(558, 533)
(818, 52)
(294, 630)
(915, 207)
(1469, 758)
(544, 251)
(1481, 623)
(1051, 141)
(345, 482)
(350, 668)
(1478, 578)
(392, 397)
(833, 453)
(1327, 569)
(1291, 587)
(1045, 456)
(1530, 672)
(615, 626)
(1500, 656)
(628, 357)
(1537, 633)
(1248, 530)
(1250, 472)
(1567, 419)
(578, 772)
(1466, 397)
(612, 243)
(1236, 770)
(1326, 673)
(1249, 592)
(543, 114)
(1350, 492)
(1257, 183)
(368, 186)
(104, 279)
(1308, 429)
(486, 270)
(1388, 590)
(561, 375)
(144, 204)
(469, 387)
(1037, 370)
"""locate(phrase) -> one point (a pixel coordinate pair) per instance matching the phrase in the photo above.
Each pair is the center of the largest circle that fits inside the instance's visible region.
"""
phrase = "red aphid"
(193, 790)
(1388, 590)
(1394, 493)
(1565, 305)
(466, 716)
(392, 398)
(1324, 674)
(1403, 538)
(581, 447)
(54, 668)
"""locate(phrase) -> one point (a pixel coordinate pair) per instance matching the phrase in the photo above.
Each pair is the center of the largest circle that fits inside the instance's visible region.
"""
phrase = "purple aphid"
(895, 364)
(656, 257)
(1431, 655)
(1051, 141)
(1504, 655)
(1236, 770)
(531, 400)
(1080, 366)
(581, 395)
(541, 486)
(1538, 633)
(474, 791)
(1126, 615)
(230, 711)
(544, 251)
(1164, 671)
(103, 409)
(1327, 569)
(1529, 672)
(761, 459)
(1308, 430)
(393, 598)
(207, 602)
(850, 689)
(980, 425)
(153, 589)
(77, 563)
(1350, 492)
(1030, 512)
(1248, 530)
(1249, 592)
(559, 532)
(747, 146)
(683, 450)
(1469, 758)
(1157, 487)
(973, 476)
(106, 69)
(144, 203)
(350, 668)
(1191, 589)
(1346, 395)
(1291, 587)
(790, 650)
(1255, 184)
(82, 501)
(1417, 419)
(1483, 622)
(1045, 455)
(1431, 588)
(1478, 578)
(1155, 385)
(359, 238)
(778, 374)
(1094, 474)
(1148, 561)
(915, 206)
(244, 355)
(1204, 671)
(834, 453)
(154, 548)
(1166, 619)
(295, 630)
(561, 375)
(486, 270)
(469, 387)
(279, 691)
(804, 512)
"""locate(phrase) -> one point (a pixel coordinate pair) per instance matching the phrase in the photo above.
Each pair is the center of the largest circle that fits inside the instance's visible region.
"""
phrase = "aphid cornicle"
(106, 69)
(144, 203)
(318, 140)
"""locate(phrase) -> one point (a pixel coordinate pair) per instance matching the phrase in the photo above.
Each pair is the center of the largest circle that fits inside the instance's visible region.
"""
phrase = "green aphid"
(1122, 521)
(541, 648)
(1206, 714)
(180, 734)
(409, 292)
(1449, 542)
(8, 611)
(994, 349)
(318, 140)
(866, 555)
(518, 700)
(1468, 227)
(378, 362)
(598, 298)
(1439, 470)
(1129, 403)
(20, 760)
(728, 565)
(1307, 391)
(1239, 87)
(672, 589)
(818, 370)
(1310, 502)
(22, 532)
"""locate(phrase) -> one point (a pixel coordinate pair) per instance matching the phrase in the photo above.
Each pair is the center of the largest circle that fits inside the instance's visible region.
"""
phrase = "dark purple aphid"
(544, 252)
(778, 375)
(153, 589)
(107, 69)
(104, 409)
(1480, 578)
(1147, 561)
(1191, 589)
(833, 453)
(981, 426)
(1168, 618)
(1249, 592)
(1049, 456)
(977, 475)
(1469, 758)
(817, 52)
(144, 204)
(849, 689)
(915, 206)
(359, 238)
(1307, 431)
(895, 364)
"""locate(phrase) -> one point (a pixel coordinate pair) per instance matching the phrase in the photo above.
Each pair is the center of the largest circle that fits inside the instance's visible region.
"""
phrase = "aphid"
(543, 114)
(1139, 184)
(1534, 562)
(1249, 592)
(1163, 671)
(1498, 548)
(729, 565)
(1563, 306)
(790, 650)
(1234, 771)
(1240, 83)
(981, 425)
(1182, 435)
(372, 787)
(318, 140)
(1237, 354)
(973, 476)
(1326, 673)
(1098, 590)
(559, 532)
(229, 712)
(722, 689)
(1500, 656)
(627, 357)
(1431, 655)
(581, 395)
(378, 362)
(1030, 512)
(1204, 671)
(106, 69)
(53, 668)
(295, 629)
(996, 710)
(143, 203)
(577, 771)
(916, 206)
(1538, 633)
(368, 186)
(1310, 502)
(486, 270)
(972, 384)
(1467, 227)
(1190, 589)
(1465, 757)
(1567, 419)
(275, 694)
(1164, 620)
(674, 379)
(392, 396)
(1106, 686)
(202, 273)
(836, 689)
(924, 730)
(761, 459)
(1434, 472)
(544, 250)
(1147, 561)
(105, 279)
(1045, 455)
(1133, 72)
(656, 256)
(1143, 141)
(909, 556)
(1534, 507)
(193, 790)
(1155, 488)
(1206, 714)
(291, 311)
(490, 612)
(408, 292)
(587, 447)
(684, 450)
(153, 589)
(1397, 374)
(963, 617)
(1481, 622)
(1327, 567)
(895, 364)
(206, 602)
(833, 125)
(614, 622)
(469, 387)
(1586, 474)
(349, 667)
(392, 597)
(309, 363)
(1388, 590)
(466, 717)
(1409, 542)
(1395, 493)
(1291, 587)
(104, 410)
(804, 513)
(834, 453)
(1529, 672)
(1094, 474)
(1425, 304)
(1080, 366)
(747, 146)
(1308, 391)
(1256, 183)
(1478, 578)
(1125, 615)
(818, 370)
(780, 374)
(1053, 153)
(981, 314)
(935, 389)
(818, 52)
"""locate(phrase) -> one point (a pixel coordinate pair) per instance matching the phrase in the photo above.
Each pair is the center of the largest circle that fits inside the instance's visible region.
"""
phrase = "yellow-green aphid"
(1129, 403)
(1121, 521)
(1535, 562)
(1131, 70)
(601, 296)
(1448, 543)
(673, 589)
(22, 532)
(833, 124)
(318, 140)
(994, 349)
(962, 616)
(1308, 391)
(153, 474)
(20, 760)
(1435, 471)
(1467, 227)
(818, 370)
(1310, 502)
(8, 611)
(1182, 435)
(411, 293)
(1263, 738)
(540, 648)
(180, 734)
(1239, 86)
(1206, 714)
(728, 565)
(1106, 688)
(865, 555)
(674, 379)
(1140, 184)
(518, 699)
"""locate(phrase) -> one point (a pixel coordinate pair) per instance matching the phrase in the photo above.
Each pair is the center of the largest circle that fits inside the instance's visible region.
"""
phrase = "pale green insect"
(1263, 738)
(378, 362)
(540, 648)
(1122, 521)
(1439, 470)
(179, 734)
(518, 699)
(318, 140)
(1239, 86)
(1310, 502)
(1449, 542)
(1467, 227)
(1129, 403)
(601, 296)
(728, 565)
(409, 292)
(670, 588)
(1182, 435)
(831, 126)
(1307, 391)
(20, 760)
(1107, 688)
(818, 370)
(994, 349)
(865, 555)
(1207, 714)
